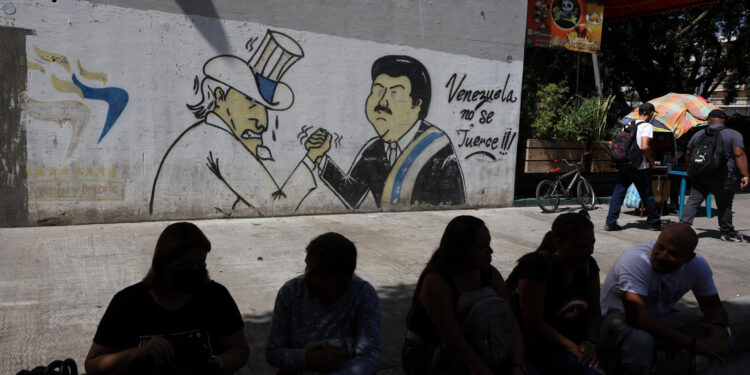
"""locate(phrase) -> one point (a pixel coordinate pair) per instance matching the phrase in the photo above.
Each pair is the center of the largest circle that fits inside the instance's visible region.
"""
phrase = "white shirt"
(645, 129)
(404, 141)
(632, 272)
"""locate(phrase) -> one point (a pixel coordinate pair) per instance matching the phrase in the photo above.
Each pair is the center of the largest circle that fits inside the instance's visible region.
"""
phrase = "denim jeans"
(553, 361)
(416, 358)
(722, 190)
(642, 180)
(629, 350)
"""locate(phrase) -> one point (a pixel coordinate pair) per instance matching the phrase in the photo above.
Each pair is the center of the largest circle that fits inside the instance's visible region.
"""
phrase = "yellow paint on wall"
(94, 76)
(34, 66)
(53, 58)
(65, 86)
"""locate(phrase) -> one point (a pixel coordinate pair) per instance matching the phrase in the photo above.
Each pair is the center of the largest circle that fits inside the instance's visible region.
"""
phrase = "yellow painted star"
(113, 172)
(65, 172)
(77, 170)
(53, 171)
(89, 171)
(28, 171)
(40, 171)
(100, 171)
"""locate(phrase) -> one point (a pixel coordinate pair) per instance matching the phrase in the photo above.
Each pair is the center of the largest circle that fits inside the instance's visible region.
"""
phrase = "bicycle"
(549, 192)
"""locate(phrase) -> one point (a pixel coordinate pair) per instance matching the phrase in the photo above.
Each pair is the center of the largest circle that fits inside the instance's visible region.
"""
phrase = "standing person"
(175, 321)
(328, 319)
(640, 176)
(459, 266)
(555, 292)
(722, 182)
(640, 292)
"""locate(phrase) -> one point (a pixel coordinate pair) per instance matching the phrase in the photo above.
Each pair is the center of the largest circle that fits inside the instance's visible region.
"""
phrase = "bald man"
(639, 294)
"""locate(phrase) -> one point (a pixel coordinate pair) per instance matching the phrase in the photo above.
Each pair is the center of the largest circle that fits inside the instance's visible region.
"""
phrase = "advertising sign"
(575, 25)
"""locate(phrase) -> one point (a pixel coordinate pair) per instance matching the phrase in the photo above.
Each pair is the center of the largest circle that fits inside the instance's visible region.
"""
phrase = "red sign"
(575, 25)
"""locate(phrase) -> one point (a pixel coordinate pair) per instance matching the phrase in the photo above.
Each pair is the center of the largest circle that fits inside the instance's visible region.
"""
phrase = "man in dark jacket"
(723, 182)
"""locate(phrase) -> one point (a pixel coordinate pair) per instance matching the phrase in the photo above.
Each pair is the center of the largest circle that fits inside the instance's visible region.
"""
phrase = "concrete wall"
(286, 117)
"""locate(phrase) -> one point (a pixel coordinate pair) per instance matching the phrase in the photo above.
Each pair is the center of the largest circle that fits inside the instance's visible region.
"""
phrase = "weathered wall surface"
(223, 110)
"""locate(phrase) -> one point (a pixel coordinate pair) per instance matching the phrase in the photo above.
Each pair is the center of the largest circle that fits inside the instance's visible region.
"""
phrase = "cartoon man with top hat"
(217, 166)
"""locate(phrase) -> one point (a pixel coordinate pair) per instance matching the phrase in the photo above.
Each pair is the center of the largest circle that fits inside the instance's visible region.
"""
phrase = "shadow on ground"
(394, 304)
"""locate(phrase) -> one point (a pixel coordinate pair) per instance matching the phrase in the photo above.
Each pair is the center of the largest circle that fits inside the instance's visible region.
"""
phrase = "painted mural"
(279, 122)
(224, 152)
(61, 180)
(410, 160)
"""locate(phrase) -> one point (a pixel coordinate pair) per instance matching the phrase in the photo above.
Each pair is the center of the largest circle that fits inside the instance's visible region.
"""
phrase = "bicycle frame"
(576, 171)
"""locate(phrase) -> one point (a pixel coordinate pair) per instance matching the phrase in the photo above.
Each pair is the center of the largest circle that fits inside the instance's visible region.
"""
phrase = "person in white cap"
(217, 167)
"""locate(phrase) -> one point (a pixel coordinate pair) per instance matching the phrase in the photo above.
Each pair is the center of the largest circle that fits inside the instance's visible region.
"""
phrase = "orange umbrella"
(680, 112)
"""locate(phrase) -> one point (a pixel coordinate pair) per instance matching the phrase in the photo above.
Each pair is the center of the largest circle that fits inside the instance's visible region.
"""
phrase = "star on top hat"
(260, 77)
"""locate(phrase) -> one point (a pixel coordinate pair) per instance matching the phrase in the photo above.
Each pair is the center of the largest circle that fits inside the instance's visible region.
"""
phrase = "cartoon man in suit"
(410, 161)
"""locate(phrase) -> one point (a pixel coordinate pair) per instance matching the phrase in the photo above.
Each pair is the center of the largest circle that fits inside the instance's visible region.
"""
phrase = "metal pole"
(597, 80)
(578, 71)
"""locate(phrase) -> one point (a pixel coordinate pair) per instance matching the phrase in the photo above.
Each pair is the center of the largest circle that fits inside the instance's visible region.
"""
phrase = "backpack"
(487, 322)
(625, 151)
(708, 153)
(58, 367)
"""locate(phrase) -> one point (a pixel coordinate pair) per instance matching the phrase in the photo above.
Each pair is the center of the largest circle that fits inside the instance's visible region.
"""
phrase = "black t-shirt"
(566, 308)
(195, 330)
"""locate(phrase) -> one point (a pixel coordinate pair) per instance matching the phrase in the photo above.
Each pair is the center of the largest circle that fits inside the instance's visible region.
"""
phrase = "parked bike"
(549, 192)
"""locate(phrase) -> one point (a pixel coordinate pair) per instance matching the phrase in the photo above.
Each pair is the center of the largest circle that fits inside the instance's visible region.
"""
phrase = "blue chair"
(682, 193)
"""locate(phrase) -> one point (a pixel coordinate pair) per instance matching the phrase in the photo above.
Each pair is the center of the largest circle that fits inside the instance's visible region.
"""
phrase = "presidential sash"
(400, 183)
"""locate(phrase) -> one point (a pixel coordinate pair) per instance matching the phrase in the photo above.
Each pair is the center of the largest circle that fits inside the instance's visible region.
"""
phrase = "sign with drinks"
(575, 25)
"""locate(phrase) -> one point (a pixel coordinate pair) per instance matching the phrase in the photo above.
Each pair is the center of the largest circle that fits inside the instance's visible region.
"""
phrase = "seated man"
(328, 319)
(638, 295)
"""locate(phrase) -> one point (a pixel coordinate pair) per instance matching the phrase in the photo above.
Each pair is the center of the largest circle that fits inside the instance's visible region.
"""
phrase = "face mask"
(188, 281)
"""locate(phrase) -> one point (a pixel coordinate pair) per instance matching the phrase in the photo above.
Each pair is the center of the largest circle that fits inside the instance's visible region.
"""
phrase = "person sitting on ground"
(555, 292)
(435, 340)
(175, 321)
(328, 319)
(640, 292)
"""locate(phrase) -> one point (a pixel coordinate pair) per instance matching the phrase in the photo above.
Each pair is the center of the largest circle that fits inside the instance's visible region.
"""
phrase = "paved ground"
(55, 282)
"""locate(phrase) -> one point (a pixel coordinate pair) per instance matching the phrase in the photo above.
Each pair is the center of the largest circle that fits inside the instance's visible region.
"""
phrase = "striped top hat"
(260, 78)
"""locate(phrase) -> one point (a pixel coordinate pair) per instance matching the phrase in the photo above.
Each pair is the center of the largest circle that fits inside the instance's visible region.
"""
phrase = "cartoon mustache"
(380, 108)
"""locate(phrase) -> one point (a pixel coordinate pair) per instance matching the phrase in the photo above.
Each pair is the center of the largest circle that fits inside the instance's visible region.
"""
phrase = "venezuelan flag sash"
(400, 183)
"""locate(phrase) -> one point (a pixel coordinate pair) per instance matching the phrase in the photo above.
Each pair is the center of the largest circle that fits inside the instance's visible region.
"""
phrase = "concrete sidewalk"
(55, 282)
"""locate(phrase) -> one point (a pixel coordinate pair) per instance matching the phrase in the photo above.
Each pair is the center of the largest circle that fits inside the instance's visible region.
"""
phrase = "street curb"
(531, 202)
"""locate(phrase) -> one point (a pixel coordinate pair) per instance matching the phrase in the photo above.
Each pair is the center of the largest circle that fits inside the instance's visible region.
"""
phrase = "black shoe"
(660, 226)
(731, 237)
(613, 227)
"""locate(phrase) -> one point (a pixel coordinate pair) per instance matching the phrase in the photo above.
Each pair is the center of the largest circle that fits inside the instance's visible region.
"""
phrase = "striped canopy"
(680, 112)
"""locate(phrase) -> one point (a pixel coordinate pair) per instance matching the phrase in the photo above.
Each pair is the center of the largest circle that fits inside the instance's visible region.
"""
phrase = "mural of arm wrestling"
(410, 161)
(218, 165)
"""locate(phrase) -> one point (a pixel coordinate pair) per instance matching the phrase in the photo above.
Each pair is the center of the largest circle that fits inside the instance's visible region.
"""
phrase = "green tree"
(687, 51)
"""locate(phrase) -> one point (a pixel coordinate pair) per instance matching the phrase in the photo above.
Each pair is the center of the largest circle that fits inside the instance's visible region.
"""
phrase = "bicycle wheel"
(548, 195)
(586, 196)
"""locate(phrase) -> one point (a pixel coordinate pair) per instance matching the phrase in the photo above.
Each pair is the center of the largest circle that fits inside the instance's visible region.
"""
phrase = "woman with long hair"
(460, 265)
(555, 293)
(175, 321)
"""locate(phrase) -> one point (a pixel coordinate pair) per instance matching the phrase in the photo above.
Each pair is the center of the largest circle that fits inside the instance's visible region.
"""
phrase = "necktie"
(392, 152)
